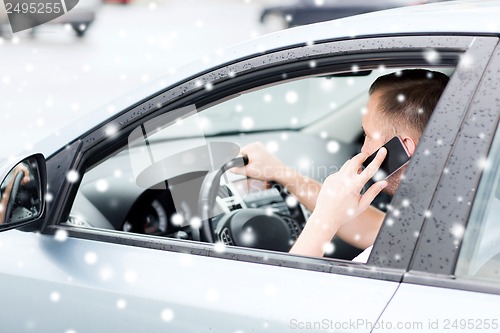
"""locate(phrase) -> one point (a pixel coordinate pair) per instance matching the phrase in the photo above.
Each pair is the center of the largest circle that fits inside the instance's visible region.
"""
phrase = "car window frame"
(434, 271)
(95, 143)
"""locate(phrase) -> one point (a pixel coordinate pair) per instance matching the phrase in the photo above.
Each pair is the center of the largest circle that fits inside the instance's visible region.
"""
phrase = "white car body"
(60, 277)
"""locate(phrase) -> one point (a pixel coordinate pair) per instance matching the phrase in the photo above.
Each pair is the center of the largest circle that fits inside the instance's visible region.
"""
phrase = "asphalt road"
(55, 78)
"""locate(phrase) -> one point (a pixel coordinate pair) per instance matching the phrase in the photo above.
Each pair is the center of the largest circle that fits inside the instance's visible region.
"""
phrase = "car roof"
(447, 17)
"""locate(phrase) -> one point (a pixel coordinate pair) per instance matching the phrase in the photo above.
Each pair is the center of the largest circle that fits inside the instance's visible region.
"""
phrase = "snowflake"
(432, 56)
(401, 98)
(167, 314)
(248, 236)
(49, 197)
(212, 295)
(457, 230)
(466, 61)
(195, 222)
(106, 273)
(247, 123)
(332, 147)
(91, 258)
(328, 248)
(291, 97)
(177, 219)
(484, 163)
(102, 185)
(272, 146)
(380, 175)
(121, 304)
(291, 201)
(268, 98)
(72, 176)
(61, 235)
(219, 247)
(130, 276)
(55, 296)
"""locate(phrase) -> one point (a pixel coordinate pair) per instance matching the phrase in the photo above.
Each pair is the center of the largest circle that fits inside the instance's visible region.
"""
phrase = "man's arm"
(339, 202)
(362, 231)
(265, 166)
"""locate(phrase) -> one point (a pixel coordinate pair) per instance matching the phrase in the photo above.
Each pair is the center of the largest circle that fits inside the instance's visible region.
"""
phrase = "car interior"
(174, 177)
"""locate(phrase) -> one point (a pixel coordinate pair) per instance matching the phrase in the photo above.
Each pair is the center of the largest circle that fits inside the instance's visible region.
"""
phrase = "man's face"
(377, 133)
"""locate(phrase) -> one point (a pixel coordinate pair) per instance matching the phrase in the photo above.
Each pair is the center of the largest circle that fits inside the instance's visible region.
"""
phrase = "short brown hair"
(409, 96)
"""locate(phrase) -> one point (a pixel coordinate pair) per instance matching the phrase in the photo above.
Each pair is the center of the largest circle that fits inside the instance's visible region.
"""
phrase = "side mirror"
(22, 192)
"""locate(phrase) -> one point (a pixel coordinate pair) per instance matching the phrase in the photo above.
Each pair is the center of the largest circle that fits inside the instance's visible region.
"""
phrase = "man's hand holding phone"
(339, 201)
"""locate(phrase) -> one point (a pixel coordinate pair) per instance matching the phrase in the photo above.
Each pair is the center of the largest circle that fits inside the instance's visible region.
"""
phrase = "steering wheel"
(251, 227)
(13, 194)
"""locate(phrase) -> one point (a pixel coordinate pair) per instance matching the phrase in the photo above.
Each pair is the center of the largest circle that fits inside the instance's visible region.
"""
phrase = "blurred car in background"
(289, 14)
(79, 18)
(123, 2)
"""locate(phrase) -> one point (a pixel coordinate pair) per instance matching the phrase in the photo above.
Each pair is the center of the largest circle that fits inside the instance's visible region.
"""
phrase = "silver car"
(132, 220)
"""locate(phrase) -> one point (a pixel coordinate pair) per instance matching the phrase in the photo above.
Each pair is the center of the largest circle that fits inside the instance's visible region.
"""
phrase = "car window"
(480, 254)
(159, 183)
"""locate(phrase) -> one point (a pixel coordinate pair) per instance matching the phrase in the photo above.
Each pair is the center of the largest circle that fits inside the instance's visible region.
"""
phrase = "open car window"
(176, 163)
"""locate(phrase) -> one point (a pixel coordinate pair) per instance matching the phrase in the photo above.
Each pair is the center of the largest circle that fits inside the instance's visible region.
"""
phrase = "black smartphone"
(397, 156)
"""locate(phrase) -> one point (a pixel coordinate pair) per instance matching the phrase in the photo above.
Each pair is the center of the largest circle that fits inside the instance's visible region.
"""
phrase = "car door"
(73, 278)
(453, 280)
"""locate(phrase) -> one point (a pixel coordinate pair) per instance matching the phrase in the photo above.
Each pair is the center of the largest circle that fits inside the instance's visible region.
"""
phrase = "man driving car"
(400, 104)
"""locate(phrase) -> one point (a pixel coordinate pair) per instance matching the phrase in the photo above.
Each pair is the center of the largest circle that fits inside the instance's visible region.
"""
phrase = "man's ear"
(410, 144)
